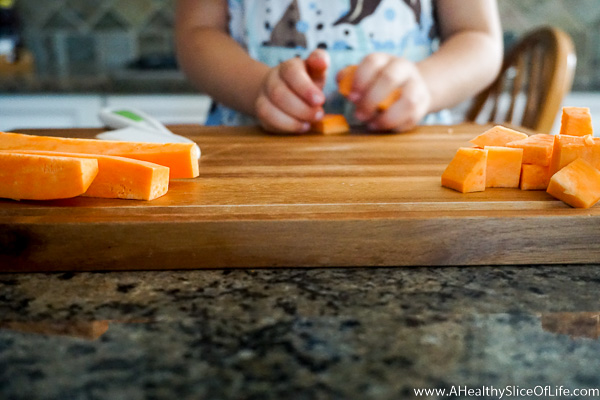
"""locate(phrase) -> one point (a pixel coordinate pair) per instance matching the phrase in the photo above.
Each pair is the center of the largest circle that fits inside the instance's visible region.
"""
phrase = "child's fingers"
(396, 73)
(366, 74)
(293, 72)
(407, 112)
(275, 120)
(288, 101)
(316, 65)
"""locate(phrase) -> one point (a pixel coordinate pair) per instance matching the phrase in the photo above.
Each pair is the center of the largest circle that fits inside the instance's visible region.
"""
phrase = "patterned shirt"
(273, 31)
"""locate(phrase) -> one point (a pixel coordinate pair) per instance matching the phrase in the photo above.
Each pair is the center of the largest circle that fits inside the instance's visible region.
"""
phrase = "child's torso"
(273, 31)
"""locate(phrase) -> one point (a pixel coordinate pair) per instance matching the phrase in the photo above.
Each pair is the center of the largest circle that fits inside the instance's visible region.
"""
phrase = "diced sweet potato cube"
(568, 148)
(331, 124)
(497, 136)
(534, 177)
(576, 121)
(503, 167)
(466, 171)
(537, 149)
(577, 184)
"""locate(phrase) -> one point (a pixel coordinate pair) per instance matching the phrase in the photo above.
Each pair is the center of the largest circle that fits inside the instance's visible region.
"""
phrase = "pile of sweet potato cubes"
(566, 165)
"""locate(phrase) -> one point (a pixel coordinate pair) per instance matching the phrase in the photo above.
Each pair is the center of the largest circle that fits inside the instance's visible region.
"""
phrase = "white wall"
(81, 111)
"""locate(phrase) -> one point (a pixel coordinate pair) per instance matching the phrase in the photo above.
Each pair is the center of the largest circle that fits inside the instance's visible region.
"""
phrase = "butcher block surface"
(361, 199)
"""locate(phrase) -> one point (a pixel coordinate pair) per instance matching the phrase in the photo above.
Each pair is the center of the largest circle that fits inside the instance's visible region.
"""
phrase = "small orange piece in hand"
(388, 101)
(345, 88)
(331, 124)
(345, 84)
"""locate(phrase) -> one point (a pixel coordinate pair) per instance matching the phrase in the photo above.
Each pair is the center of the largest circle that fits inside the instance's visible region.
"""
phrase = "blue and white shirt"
(273, 31)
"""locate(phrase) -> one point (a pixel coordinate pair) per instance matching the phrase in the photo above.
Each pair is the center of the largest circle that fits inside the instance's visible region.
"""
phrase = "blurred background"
(78, 55)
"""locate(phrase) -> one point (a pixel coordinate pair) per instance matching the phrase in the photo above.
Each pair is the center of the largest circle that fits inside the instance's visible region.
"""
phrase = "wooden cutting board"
(311, 201)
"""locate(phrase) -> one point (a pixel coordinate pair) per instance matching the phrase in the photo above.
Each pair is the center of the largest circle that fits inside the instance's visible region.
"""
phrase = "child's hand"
(376, 77)
(291, 96)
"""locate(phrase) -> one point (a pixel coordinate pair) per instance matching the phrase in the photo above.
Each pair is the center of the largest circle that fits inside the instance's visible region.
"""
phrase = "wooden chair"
(536, 75)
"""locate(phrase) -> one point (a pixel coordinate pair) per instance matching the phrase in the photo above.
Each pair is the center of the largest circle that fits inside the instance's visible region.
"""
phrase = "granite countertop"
(335, 333)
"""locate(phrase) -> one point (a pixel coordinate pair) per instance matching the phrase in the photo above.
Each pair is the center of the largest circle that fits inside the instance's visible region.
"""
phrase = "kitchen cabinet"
(49, 111)
(81, 110)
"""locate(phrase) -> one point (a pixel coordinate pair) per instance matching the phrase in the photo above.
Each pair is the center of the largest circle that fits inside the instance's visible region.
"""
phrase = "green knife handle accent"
(128, 114)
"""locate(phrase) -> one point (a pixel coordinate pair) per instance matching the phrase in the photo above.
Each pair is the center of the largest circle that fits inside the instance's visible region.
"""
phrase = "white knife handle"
(118, 118)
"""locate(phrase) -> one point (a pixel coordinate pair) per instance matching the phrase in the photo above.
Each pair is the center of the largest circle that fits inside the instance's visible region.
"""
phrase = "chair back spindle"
(535, 76)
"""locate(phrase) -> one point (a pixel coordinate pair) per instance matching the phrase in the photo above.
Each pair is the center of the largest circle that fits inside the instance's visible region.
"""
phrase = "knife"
(132, 125)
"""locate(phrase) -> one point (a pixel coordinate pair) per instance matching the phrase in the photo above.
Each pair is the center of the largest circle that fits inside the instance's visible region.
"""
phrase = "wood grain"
(302, 201)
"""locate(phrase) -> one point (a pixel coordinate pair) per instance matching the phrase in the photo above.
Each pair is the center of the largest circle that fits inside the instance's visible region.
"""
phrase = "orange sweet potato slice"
(537, 149)
(119, 177)
(503, 168)
(181, 158)
(41, 177)
(576, 121)
(467, 170)
(388, 101)
(534, 177)
(347, 80)
(577, 184)
(497, 136)
(331, 124)
(568, 148)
